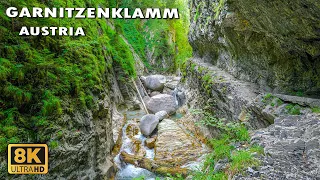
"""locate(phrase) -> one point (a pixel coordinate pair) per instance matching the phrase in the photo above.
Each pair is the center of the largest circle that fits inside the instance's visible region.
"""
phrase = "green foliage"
(257, 149)
(176, 177)
(122, 54)
(272, 100)
(241, 160)
(299, 93)
(3, 144)
(53, 144)
(196, 16)
(39, 74)
(44, 77)
(132, 30)
(241, 133)
(51, 105)
(19, 96)
(237, 131)
(208, 82)
(316, 110)
(139, 178)
(166, 39)
(210, 176)
(222, 148)
(267, 98)
(293, 109)
(279, 102)
(183, 50)
(218, 8)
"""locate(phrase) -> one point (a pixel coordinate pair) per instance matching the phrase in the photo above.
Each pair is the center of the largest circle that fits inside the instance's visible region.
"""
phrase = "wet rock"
(180, 96)
(155, 82)
(138, 149)
(162, 102)
(150, 142)
(148, 124)
(132, 130)
(174, 145)
(162, 115)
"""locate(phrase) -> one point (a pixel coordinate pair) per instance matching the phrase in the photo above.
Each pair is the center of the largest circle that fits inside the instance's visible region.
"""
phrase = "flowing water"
(129, 171)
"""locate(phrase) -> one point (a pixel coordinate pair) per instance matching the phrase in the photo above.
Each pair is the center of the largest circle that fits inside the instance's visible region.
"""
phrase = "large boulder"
(174, 145)
(155, 82)
(162, 102)
(148, 124)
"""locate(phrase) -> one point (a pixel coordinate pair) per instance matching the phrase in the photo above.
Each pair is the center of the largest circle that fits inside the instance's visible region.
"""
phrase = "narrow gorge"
(231, 90)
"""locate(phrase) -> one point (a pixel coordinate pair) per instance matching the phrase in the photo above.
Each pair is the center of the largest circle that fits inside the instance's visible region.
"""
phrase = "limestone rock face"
(174, 145)
(162, 102)
(271, 43)
(148, 124)
(293, 147)
(155, 82)
(86, 151)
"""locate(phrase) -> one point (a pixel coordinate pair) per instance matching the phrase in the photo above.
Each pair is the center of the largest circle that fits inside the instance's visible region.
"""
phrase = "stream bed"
(128, 171)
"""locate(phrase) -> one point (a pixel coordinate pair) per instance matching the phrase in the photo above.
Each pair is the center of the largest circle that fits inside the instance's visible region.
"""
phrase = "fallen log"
(154, 166)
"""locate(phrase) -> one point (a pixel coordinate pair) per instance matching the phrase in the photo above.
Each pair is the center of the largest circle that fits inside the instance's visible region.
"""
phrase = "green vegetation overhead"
(158, 39)
(44, 77)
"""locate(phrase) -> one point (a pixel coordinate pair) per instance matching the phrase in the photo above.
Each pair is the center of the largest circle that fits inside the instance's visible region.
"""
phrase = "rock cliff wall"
(275, 44)
(83, 137)
(247, 55)
(285, 126)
